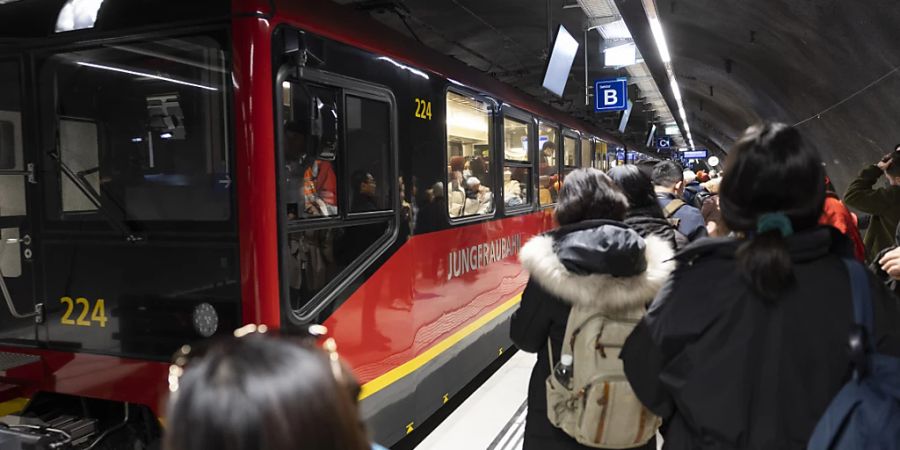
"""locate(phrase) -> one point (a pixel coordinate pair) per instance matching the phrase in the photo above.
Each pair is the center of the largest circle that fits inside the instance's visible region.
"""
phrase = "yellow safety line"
(414, 364)
(13, 406)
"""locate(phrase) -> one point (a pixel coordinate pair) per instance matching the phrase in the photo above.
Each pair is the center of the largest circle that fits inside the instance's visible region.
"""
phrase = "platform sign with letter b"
(611, 95)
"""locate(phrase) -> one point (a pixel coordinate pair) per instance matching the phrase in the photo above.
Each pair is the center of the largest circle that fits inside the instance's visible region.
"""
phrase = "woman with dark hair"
(593, 262)
(753, 361)
(644, 213)
(262, 393)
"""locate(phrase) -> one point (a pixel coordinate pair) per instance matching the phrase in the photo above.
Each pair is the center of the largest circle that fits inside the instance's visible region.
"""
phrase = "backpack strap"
(673, 207)
(861, 341)
(550, 354)
(862, 297)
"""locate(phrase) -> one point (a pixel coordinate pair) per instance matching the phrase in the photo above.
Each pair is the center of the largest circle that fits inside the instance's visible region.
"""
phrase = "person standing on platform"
(592, 261)
(882, 203)
(668, 180)
(836, 214)
(644, 213)
(754, 362)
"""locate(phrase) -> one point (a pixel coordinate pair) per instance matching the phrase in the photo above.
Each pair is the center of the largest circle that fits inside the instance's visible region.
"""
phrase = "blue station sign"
(611, 95)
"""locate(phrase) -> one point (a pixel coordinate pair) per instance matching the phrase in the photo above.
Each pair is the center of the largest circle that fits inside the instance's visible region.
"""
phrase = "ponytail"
(773, 186)
(765, 262)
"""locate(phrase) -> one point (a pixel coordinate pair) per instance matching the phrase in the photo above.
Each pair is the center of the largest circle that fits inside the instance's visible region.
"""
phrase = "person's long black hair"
(638, 187)
(257, 392)
(771, 170)
(589, 194)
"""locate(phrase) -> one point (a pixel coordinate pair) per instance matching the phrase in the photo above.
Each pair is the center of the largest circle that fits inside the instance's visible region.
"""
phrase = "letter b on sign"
(610, 98)
(611, 95)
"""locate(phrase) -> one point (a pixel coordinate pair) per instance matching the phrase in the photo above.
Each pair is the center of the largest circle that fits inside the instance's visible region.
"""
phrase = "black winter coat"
(597, 263)
(728, 370)
(646, 224)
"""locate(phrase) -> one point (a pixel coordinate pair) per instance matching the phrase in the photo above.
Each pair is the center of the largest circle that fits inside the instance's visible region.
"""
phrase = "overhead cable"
(851, 97)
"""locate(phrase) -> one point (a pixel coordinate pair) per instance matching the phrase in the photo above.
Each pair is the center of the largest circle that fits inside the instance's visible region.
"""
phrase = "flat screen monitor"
(651, 136)
(560, 64)
(625, 115)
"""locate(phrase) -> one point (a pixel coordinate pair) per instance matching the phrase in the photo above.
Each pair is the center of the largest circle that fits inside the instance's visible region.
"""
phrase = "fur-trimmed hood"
(605, 265)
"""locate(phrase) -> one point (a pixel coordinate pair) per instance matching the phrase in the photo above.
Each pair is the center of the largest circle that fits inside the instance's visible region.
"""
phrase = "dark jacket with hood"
(645, 222)
(601, 264)
(729, 370)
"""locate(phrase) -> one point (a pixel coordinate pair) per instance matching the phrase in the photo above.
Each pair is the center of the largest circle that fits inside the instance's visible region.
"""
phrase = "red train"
(172, 170)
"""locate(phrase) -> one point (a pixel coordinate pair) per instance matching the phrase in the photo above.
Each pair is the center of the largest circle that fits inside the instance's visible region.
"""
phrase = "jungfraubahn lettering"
(463, 261)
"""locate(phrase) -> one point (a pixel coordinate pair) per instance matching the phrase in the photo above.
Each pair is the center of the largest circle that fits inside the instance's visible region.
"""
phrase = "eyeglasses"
(306, 338)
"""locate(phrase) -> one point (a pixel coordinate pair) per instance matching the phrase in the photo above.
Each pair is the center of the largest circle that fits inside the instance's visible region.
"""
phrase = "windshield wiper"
(78, 178)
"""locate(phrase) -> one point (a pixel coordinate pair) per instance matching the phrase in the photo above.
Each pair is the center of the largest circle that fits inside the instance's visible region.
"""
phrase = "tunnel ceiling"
(508, 39)
(737, 62)
(740, 61)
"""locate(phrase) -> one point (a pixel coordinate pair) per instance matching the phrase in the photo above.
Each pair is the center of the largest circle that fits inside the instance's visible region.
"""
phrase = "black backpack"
(865, 414)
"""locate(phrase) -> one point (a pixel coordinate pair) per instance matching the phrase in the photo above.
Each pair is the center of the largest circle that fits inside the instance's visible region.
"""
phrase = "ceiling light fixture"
(77, 15)
(662, 46)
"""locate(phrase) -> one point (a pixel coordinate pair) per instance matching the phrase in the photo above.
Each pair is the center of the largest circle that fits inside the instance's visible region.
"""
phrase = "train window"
(12, 186)
(12, 202)
(142, 131)
(469, 180)
(7, 145)
(516, 169)
(570, 149)
(600, 155)
(79, 150)
(586, 160)
(368, 153)
(318, 256)
(310, 156)
(337, 189)
(515, 140)
(548, 183)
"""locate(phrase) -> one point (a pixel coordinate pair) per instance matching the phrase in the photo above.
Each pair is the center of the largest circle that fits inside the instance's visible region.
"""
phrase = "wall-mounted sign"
(611, 95)
(695, 154)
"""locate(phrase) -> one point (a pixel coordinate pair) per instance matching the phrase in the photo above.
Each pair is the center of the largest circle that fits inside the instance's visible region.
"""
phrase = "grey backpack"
(600, 409)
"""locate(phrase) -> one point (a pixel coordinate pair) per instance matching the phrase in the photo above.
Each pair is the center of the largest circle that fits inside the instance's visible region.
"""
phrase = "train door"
(18, 306)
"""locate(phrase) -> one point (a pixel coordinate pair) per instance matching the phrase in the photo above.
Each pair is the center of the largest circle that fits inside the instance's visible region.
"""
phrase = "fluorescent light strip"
(142, 74)
(656, 28)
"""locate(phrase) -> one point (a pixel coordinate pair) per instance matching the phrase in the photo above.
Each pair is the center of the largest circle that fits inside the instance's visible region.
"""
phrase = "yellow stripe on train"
(414, 364)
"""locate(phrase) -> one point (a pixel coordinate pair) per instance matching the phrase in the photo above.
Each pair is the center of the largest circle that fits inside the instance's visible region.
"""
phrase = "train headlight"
(206, 320)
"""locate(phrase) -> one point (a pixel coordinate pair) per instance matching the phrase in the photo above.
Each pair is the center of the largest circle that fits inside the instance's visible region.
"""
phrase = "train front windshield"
(131, 205)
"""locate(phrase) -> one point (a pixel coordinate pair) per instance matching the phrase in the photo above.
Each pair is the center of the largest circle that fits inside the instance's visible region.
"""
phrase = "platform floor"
(493, 417)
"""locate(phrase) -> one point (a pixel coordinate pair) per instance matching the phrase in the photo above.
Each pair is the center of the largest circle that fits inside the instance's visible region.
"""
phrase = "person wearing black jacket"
(754, 361)
(593, 260)
(644, 213)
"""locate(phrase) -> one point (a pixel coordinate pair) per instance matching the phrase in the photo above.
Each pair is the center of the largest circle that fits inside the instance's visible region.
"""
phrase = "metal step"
(9, 360)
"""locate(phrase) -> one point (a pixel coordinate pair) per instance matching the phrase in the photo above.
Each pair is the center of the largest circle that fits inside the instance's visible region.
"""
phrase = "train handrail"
(38, 312)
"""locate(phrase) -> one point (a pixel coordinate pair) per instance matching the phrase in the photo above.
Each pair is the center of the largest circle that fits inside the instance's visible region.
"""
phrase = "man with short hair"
(668, 182)
(882, 203)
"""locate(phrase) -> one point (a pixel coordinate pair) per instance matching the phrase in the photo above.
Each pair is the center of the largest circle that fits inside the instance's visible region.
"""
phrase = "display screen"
(695, 154)
(651, 135)
(625, 116)
(564, 49)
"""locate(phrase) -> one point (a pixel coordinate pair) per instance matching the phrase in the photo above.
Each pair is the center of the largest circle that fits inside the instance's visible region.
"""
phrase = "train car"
(172, 170)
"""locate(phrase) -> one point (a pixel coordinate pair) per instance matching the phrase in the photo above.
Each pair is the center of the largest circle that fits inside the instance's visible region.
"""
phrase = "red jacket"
(835, 214)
